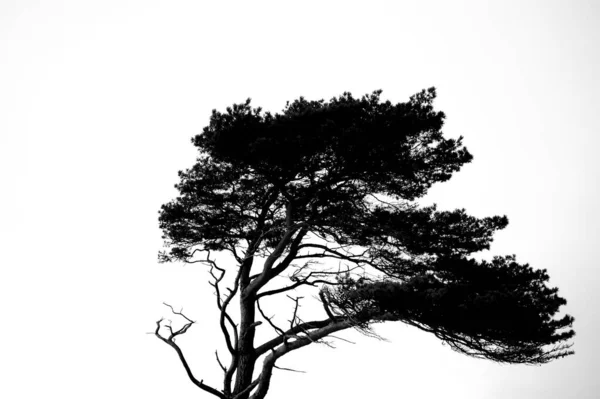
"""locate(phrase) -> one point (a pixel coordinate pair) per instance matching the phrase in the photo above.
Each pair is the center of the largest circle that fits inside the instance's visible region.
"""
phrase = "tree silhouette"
(338, 180)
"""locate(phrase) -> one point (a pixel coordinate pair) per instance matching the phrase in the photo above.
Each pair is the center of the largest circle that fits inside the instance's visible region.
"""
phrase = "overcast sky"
(99, 100)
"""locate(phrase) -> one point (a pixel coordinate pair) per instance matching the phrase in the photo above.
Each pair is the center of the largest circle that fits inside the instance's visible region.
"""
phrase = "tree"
(339, 181)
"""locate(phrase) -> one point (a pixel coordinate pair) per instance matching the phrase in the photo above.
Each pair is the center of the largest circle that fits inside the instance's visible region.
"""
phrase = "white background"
(98, 102)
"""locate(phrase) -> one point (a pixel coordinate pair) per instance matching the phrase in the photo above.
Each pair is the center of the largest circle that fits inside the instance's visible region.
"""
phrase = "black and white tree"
(286, 194)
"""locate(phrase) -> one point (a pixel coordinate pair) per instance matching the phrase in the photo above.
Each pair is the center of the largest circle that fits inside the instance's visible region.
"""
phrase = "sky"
(99, 101)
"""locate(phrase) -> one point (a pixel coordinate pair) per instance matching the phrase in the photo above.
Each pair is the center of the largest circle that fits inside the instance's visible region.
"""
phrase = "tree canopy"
(283, 193)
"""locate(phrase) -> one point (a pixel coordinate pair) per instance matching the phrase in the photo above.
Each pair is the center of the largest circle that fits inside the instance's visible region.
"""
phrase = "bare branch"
(219, 361)
(183, 329)
(342, 339)
(222, 304)
(169, 341)
(268, 319)
(297, 304)
(179, 313)
(287, 369)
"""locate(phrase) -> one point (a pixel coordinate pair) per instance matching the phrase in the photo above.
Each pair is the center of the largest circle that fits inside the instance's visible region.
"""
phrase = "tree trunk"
(247, 355)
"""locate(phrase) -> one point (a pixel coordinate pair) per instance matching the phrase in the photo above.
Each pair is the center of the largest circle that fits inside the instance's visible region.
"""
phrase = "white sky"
(99, 100)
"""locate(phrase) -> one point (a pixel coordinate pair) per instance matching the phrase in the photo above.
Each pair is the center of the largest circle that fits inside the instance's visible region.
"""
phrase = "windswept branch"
(336, 254)
(300, 280)
(298, 328)
(297, 284)
(310, 337)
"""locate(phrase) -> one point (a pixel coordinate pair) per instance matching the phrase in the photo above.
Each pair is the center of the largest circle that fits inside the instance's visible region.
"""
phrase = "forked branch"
(171, 342)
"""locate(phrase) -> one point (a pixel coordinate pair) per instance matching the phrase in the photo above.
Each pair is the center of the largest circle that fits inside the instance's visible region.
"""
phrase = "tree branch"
(170, 341)
(302, 327)
(287, 369)
(296, 305)
(326, 305)
(332, 253)
(313, 336)
(268, 270)
(219, 361)
(222, 304)
(268, 319)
